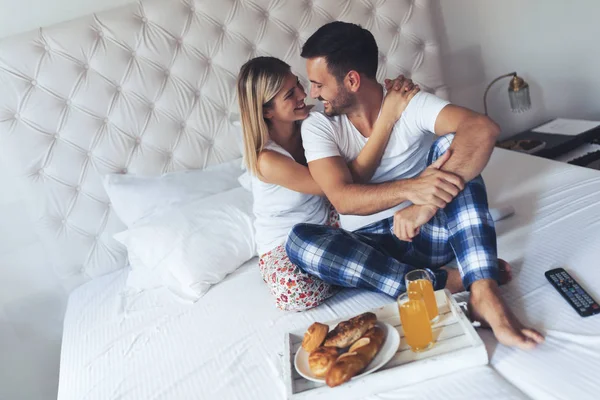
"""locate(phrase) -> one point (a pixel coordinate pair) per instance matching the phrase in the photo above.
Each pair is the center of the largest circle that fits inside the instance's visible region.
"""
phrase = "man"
(429, 196)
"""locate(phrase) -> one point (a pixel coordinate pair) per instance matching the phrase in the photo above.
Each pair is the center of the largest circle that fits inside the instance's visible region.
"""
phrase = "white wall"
(32, 304)
(32, 301)
(552, 44)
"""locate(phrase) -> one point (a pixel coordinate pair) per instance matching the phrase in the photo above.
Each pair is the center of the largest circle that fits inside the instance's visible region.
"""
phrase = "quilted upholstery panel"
(149, 88)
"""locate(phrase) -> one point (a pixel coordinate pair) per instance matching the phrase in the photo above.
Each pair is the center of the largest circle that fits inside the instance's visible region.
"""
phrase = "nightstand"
(548, 145)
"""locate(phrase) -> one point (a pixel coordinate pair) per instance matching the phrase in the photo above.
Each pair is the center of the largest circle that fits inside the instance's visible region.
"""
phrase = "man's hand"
(408, 221)
(435, 187)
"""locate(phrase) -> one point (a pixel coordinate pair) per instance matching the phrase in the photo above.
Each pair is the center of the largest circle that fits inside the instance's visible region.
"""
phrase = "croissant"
(352, 363)
(314, 336)
(320, 360)
(348, 332)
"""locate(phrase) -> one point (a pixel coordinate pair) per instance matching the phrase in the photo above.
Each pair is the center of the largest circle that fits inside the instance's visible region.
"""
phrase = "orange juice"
(425, 287)
(416, 325)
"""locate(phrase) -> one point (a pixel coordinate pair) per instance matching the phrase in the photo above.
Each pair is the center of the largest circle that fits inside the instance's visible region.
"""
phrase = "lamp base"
(523, 146)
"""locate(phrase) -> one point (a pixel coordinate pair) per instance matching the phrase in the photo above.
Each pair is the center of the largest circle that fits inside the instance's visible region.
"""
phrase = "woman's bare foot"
(505, 272)
(454, 283)
(486, 306)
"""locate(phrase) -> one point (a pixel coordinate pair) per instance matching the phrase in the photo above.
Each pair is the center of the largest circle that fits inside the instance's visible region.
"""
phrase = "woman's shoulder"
(269, 163)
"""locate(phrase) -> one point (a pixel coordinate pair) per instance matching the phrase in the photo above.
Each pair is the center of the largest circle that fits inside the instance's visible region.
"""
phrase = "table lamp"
(518, 93)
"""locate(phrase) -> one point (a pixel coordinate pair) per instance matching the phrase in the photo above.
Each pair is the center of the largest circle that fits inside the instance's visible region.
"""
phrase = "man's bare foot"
(454, 283)
(486, 306)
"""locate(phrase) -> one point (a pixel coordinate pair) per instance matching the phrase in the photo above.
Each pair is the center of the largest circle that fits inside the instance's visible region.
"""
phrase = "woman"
(272, 107)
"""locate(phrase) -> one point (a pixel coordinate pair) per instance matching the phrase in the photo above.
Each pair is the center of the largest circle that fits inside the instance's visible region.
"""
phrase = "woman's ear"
(268, 113)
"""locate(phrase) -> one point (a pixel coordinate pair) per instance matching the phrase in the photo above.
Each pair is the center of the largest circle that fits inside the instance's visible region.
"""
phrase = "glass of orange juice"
(419, 281)
(415, 321)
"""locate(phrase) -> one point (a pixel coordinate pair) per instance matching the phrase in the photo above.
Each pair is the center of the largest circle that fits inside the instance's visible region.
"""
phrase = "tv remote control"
(578, 298)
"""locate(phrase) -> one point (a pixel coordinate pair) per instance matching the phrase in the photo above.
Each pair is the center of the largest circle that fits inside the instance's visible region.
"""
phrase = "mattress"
(228, 345)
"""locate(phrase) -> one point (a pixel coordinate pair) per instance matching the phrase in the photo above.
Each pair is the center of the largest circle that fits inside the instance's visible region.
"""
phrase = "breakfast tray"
(457, 347)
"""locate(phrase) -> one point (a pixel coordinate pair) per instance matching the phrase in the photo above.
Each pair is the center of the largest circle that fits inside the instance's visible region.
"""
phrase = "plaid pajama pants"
(374, 258)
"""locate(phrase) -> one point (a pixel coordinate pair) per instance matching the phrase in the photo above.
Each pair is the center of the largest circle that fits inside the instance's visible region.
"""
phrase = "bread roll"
(348, 332)
(352, 364)
(314, 336)
(320, 360)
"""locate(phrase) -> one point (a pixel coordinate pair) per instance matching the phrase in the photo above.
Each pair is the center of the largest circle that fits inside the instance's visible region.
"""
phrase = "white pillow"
(135, 197)
(245, 181)
(191, 246)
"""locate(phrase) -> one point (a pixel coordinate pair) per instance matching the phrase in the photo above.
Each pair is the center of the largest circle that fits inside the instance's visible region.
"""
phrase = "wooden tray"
(457, 347)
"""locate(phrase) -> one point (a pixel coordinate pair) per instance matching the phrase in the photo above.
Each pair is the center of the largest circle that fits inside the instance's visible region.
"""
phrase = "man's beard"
(341, 104)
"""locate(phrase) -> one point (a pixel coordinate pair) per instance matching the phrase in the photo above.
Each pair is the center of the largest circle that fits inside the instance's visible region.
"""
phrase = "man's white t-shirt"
(405, 155)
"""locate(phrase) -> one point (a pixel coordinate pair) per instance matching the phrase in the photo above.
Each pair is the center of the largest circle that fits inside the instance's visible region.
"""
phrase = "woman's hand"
(400, 92)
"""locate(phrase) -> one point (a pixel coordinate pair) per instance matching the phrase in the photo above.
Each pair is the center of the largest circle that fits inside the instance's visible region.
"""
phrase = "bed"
(151, 350)
(148, 89)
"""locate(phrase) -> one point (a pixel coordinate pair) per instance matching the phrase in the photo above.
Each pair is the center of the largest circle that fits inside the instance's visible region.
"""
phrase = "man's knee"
(297, 239)
(299, 232)
(439, 147)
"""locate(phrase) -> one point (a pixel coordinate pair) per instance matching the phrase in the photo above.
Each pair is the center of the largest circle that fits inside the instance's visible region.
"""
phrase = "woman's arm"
(399, 94)
(280, 170)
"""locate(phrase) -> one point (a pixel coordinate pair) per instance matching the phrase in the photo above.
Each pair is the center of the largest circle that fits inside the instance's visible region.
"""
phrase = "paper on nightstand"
(564, 126)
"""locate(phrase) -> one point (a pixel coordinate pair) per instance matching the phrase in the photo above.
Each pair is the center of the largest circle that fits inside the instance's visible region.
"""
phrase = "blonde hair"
(259, 80)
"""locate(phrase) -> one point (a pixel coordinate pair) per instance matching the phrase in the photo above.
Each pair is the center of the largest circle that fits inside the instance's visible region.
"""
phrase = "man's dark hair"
(346, 47)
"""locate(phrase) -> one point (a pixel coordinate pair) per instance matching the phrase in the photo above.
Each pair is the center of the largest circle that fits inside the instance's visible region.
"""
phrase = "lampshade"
(518, 94)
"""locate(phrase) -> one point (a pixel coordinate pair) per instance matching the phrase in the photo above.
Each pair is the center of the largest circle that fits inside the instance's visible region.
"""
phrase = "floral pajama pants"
(292, 288)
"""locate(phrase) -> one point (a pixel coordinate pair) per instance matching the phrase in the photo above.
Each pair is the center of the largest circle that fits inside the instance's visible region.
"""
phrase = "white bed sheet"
(224, 347)
(228, 345)
(557, 225)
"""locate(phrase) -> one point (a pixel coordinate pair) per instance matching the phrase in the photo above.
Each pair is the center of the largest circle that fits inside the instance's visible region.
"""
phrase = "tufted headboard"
(150, 88)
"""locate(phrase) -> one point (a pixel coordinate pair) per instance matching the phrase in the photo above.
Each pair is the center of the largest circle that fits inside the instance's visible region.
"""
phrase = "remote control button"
(595, 306)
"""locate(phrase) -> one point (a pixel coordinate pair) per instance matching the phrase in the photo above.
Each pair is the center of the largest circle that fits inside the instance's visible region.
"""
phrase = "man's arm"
(474, 140)
(432, 187)
(334, 177)
(332, 174)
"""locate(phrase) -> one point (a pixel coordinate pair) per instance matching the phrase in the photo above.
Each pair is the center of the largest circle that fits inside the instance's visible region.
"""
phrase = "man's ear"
(352, 81)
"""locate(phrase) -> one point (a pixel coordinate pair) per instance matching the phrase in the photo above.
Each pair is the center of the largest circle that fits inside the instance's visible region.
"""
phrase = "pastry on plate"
(314, 336)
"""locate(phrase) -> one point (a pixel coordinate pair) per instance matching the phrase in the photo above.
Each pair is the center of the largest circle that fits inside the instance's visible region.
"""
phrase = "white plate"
(385, 354)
